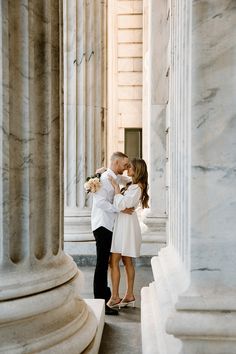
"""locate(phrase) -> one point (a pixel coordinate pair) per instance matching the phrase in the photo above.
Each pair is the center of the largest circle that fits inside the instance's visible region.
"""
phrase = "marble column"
(195, 285)
(204, 317)
(155, 99)
(84, 112)
(170, 268)
(40, 308)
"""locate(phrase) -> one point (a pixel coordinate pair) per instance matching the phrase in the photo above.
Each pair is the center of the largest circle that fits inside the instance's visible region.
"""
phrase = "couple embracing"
(116, 227)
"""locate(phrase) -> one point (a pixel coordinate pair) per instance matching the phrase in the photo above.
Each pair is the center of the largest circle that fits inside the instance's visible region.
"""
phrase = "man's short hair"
(118, 155)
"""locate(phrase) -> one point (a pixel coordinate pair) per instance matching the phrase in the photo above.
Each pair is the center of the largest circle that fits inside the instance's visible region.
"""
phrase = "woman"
(126, 240)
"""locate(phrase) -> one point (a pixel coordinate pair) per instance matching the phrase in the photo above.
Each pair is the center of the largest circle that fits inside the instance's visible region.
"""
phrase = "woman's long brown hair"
(141, 177)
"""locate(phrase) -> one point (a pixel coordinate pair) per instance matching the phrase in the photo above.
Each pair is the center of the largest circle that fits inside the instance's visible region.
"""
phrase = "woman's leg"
(115, 275)
(130, 274)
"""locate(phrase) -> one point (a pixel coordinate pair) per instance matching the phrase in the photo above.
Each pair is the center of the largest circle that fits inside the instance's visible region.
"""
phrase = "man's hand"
(128, 211)
(101, 170)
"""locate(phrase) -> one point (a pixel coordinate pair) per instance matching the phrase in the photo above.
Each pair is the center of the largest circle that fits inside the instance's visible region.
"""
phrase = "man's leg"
(103, 239)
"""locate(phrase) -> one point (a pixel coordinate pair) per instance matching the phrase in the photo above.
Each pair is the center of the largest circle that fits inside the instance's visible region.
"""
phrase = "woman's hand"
(114, 184)
(113, 181)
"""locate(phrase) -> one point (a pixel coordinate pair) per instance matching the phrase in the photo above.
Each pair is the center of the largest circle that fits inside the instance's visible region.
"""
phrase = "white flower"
(92, 184)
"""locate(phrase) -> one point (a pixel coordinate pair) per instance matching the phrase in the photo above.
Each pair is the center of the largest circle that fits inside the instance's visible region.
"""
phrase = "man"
(102, 218)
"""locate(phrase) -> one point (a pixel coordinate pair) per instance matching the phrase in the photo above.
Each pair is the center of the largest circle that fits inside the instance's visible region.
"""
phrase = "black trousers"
(103, 239)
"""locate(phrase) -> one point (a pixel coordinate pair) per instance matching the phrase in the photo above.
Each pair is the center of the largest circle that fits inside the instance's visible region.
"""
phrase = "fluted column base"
(77, 225)
(204, 316)
(53, 321)
(205, 332)
(180, 318)
(155, 224)
(153, 229)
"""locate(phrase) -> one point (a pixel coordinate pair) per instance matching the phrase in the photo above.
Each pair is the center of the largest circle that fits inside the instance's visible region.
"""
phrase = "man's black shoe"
(109, 311)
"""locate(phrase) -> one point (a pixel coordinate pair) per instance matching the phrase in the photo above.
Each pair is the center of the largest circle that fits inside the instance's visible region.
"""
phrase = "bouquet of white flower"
(93, 183)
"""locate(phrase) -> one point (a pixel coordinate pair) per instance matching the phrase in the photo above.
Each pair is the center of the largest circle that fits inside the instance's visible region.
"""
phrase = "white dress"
(126, 238)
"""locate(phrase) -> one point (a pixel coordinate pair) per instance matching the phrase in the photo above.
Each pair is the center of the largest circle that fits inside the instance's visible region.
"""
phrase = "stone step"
(84, 252)
(148, 324)
(90, 260)
(97, 306)
(157, 305)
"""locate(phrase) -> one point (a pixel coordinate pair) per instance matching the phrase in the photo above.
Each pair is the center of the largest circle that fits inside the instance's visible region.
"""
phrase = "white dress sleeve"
(123, 180)
(130, 199)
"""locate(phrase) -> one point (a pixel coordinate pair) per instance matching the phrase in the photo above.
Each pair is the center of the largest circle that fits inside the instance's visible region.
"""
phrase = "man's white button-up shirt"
(103, 210)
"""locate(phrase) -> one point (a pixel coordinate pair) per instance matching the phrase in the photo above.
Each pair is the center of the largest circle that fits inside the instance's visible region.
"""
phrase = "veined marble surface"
(213, 144)
(84, 111)
(155, 97)
(84, 57)
(40, 308)
(195, 282)
(30, 122)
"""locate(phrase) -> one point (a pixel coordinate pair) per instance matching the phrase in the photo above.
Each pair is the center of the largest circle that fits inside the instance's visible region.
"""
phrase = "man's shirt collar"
(111, 173)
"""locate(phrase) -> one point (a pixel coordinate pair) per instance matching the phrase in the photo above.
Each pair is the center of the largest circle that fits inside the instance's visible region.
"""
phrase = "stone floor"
(122, 334)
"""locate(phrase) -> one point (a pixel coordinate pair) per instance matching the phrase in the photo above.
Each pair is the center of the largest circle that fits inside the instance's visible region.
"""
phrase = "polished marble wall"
(213, 140)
